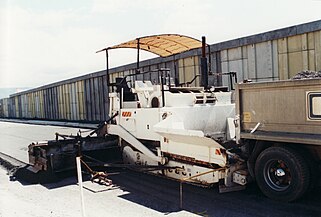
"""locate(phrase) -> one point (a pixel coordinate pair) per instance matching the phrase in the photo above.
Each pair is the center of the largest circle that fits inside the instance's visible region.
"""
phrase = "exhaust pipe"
(204, 69)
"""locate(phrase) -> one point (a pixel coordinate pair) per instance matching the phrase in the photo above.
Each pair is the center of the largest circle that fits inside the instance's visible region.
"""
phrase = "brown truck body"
(281, 111)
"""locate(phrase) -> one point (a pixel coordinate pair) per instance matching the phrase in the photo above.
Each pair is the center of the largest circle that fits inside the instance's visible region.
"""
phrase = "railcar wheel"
(282, 174)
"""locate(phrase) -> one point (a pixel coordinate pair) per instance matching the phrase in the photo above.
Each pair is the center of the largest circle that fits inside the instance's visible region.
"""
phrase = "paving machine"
(183, 131)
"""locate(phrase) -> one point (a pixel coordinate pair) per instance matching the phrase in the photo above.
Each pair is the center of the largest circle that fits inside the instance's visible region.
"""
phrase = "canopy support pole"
(175, 72)
(138, 48)
(107, 68)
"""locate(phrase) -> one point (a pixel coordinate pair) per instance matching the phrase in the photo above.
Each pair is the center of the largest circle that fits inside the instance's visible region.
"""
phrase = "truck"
(267, 132)
(279, 125)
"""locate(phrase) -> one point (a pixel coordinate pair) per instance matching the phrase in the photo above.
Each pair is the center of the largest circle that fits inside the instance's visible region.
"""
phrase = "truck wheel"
(282, 174)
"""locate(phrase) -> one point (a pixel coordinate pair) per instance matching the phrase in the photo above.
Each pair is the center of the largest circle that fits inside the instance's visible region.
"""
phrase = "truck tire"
(282, 174)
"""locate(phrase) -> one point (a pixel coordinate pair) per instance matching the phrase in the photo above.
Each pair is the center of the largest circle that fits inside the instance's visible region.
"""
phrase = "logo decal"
(126, 114)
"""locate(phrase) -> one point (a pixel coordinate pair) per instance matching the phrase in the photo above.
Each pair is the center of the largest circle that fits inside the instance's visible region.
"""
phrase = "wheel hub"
(279, 172)
(277, 175)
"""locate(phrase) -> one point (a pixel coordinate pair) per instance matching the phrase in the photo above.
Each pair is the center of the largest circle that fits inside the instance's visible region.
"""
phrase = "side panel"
(283, 107)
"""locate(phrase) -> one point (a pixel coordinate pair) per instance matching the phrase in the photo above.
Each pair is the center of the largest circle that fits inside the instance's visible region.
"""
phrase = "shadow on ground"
(162, 195)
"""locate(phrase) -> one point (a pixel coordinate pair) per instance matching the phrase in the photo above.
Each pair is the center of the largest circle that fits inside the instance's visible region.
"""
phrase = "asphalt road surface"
(133, 194)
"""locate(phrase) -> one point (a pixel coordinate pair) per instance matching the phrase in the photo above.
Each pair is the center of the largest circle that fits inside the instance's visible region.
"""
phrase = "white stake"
(80, 186)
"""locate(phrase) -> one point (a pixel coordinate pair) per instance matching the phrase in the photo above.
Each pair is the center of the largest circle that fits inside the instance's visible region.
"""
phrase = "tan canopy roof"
(163, 45)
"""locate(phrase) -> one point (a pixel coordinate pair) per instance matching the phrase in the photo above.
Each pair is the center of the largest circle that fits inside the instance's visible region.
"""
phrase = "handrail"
(161, 70)
(191, 81)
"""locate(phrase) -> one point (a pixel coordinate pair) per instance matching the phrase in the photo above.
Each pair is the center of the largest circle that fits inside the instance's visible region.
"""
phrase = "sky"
(45, 41)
